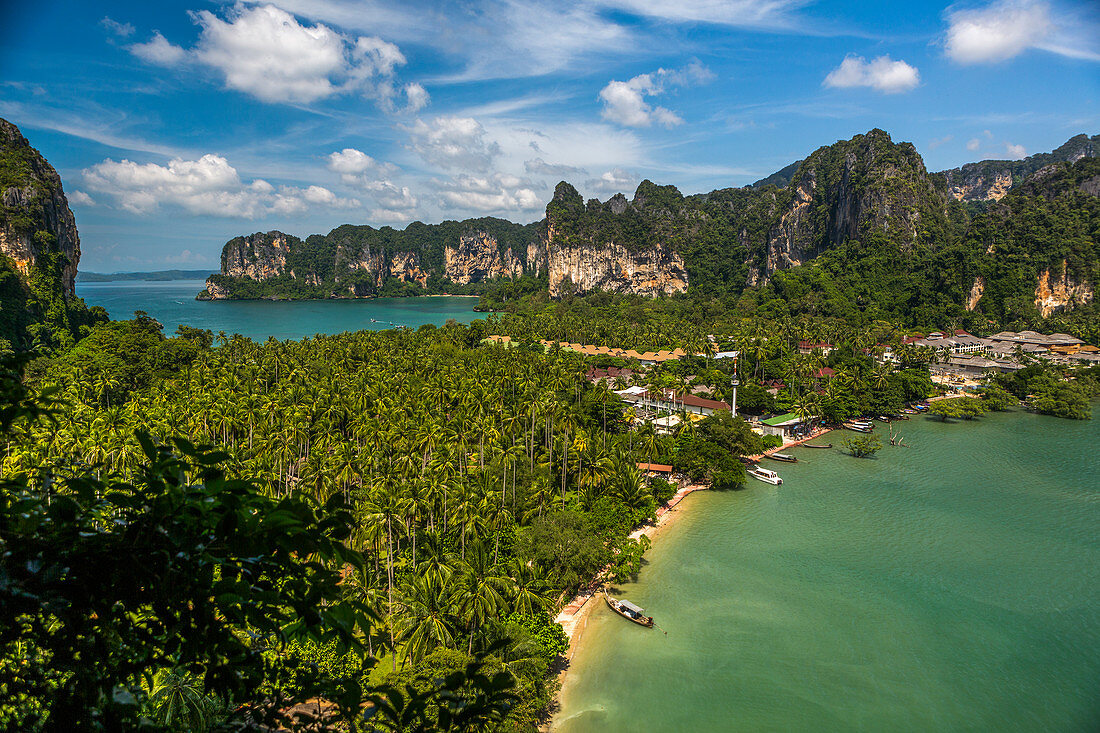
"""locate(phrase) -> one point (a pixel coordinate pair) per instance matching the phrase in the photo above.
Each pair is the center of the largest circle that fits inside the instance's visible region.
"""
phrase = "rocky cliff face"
(39, 252)
(613, 268)
(979, 185)
(847, 191)
(1059, 291)
(258, 256)
(990, 180)
(405, 266)
(35, 222)
(976, 292)
(476, 257)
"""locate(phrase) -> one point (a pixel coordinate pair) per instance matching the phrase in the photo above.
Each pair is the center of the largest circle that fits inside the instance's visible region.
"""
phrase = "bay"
(950, 586)
(173, 303)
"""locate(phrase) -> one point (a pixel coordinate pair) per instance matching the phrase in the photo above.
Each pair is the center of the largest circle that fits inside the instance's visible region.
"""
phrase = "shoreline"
(573, 617)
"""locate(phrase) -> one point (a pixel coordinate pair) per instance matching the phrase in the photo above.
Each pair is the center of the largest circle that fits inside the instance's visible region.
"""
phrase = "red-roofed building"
(808, 347)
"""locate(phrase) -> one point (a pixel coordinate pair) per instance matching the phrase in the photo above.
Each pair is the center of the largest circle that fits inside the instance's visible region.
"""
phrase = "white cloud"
(265, 52)
(158, 51)
(497, 192)
(624, 101)
(122, 30)
(973, 144)
(416, 97)
(615, 180)
(1006, 28)
(356, 167)
(939, 142)
(453, 143)
(208, 186)
(996, 32)
(1015, 152)
(81, 198)
(883, 74)
(187, 257)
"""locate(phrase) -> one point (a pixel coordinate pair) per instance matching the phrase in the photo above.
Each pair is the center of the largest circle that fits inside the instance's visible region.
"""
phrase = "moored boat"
(763, 474)
(785, 457)
(811, 445)
(629, 611)
(859, 427)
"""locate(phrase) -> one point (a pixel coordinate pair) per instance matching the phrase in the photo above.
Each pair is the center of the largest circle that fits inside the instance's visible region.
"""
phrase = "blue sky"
(178, 125)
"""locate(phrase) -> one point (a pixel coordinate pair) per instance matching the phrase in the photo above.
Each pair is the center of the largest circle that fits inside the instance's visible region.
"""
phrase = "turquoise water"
(173, 303)
(951, 586)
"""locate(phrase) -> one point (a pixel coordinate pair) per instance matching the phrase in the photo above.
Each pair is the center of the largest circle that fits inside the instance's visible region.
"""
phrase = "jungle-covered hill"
(859, 228)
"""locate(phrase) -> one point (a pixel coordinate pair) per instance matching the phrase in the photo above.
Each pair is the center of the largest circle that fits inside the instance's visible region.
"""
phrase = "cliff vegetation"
(39, 252)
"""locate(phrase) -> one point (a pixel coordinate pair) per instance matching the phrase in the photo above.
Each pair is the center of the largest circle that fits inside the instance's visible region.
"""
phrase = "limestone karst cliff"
(39, 250)
(864, 213)
(990, 180)
(1060, 291)
(36, 222)
(477, 257)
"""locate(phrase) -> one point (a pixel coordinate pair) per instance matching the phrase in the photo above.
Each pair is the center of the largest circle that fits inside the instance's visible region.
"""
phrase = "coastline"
(573, 614)
(573, 617)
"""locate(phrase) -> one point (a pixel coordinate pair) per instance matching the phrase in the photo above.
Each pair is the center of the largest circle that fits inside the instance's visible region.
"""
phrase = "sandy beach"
(574, 615)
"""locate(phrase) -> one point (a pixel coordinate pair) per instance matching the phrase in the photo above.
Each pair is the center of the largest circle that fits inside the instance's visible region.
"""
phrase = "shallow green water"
(951, 586)
(173, 303)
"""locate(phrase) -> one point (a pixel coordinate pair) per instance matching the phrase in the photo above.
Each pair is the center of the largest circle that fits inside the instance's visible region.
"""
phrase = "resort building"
(961, 343)
(664, 408)
(647, 358)
(781, 426)
(655, 469)
(808, 347)
(1034, 338)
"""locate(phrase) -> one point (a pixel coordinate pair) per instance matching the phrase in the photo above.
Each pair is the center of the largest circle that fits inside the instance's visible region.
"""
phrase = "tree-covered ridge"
(1077, 147)
(861, 232)
(21, 167)
(780, 178)
(355, 260)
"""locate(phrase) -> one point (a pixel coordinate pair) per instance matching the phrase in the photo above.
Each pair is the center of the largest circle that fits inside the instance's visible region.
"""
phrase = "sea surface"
(173, 303)
(950, 586)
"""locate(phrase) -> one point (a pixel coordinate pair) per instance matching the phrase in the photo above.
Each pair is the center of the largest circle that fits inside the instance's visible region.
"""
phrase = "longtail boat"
(629, 611)
(811, 445)
(785, 457)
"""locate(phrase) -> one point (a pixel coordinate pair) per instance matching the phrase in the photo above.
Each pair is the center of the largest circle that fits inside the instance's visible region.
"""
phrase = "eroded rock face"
(405, 266)
(36, 221)
(613, 268)
(258, 256)
(1059, 292)
(965, 186)
(835, 199)
(976, 292)
(476, 258)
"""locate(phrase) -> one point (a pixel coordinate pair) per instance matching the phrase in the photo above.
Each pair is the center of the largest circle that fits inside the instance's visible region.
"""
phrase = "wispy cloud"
(98, 125)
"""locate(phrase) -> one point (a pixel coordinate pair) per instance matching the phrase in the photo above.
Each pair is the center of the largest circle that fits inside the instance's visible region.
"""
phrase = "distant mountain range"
(156, 276)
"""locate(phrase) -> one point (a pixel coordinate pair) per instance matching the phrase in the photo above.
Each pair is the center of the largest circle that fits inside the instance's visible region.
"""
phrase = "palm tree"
(480, 591)
(426, 615)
